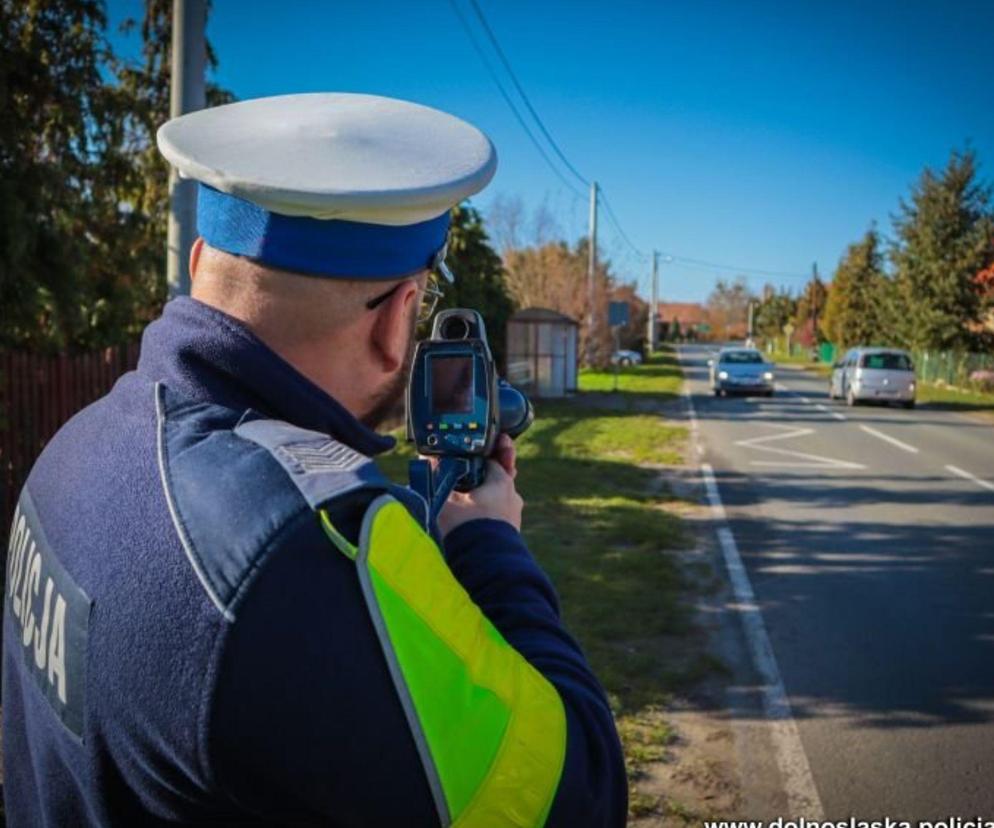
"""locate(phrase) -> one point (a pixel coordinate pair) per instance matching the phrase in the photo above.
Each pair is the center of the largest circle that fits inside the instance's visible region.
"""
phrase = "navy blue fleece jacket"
(135, 701)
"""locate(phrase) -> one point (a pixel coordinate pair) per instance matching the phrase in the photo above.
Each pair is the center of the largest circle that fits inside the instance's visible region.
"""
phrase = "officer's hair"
(258, 293)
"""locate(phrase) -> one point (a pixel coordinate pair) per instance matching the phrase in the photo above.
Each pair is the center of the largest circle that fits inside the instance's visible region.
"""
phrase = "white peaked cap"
(333, 155)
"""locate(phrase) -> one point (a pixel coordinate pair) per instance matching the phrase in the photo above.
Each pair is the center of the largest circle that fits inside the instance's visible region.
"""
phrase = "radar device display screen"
(457, 407)
(451, 384)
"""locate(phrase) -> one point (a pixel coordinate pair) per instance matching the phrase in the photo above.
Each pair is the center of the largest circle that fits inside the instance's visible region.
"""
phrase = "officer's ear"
(394, 326)
(195, 252)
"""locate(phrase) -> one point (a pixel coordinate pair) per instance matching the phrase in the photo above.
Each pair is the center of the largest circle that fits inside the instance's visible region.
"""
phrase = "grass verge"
(823, 369)
(605, 530)
(960, 399)
(656, 380)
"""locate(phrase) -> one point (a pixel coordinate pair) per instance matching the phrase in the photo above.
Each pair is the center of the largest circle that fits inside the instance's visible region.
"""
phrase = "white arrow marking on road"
(810, 461)
(892, 440)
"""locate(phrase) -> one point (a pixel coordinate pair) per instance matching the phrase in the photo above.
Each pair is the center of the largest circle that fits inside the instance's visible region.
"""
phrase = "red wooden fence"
(37, 395)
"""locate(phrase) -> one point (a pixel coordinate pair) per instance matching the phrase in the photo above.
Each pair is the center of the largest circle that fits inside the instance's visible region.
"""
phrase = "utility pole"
(814, 304)
(592, 274)
(186, 94)
(654, 305)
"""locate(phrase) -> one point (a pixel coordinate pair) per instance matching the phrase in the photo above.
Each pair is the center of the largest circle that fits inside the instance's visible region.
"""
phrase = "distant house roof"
(686, 313)
(541, 315)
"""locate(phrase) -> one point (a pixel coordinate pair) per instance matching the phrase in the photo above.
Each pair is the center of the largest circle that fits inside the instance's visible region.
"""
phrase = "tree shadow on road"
(899, 614)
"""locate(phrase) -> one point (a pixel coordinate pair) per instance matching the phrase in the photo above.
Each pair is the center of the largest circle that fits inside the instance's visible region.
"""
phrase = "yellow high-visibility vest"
(490, 729)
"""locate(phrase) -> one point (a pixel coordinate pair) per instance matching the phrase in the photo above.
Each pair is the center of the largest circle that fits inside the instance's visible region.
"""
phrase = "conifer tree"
(944, 240)
(773, 313)
(480, 278)
(83, 191)
(855, 310)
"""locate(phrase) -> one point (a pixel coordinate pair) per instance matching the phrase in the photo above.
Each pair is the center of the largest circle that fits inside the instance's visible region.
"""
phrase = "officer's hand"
(496, 499)
(505, 455)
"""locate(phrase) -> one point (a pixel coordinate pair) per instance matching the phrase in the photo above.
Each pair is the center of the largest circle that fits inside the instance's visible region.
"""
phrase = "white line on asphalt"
(892, 440)
(799, 784)
(820, 406)
(813, 461)
(694, 433)
(787, 464)
(795, 771)
(827, 410)
(971, 477)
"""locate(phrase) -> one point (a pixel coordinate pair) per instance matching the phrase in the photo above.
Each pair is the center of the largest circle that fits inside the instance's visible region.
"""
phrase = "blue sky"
(765, 135)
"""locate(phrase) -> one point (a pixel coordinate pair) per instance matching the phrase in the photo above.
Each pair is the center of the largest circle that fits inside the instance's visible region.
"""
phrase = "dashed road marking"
(971, 477)
(819, 406)
(822, 407)
(892, 440)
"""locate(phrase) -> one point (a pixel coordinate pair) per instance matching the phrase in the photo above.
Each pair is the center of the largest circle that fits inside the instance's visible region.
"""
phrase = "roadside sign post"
(617, 317)
(652, 333)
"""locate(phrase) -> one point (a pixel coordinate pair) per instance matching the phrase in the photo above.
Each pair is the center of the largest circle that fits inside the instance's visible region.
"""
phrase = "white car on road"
(741, 370)
(874, 375)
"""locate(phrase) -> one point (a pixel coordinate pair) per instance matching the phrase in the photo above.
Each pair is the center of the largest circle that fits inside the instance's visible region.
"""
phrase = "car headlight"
(768, 376)
(723, 375)
(911, 386)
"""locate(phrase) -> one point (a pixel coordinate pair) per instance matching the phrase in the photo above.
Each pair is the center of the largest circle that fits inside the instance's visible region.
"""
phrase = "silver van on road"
(874, 374)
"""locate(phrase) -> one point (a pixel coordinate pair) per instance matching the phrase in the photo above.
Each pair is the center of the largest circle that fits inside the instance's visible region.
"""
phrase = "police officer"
(218, 611)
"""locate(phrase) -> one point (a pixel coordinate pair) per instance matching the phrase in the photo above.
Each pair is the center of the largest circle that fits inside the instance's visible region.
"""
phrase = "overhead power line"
(534, 113)
(754, 271)
(617, 225)
(510, 102)
(514, 79)
(492, 37)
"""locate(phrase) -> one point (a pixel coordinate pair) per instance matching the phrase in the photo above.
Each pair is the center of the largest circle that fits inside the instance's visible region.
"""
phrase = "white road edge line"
(799, 784)
(971, 477)
(695, 437)
(887, 438)
(795, 771)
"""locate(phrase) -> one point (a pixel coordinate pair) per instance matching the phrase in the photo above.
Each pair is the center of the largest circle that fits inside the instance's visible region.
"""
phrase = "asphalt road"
(868, 538)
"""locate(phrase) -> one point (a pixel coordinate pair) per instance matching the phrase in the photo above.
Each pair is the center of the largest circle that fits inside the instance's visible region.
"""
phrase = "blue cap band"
(319, 247)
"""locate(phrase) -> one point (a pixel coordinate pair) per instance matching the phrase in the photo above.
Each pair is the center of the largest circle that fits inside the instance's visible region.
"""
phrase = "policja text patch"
(52, 615)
